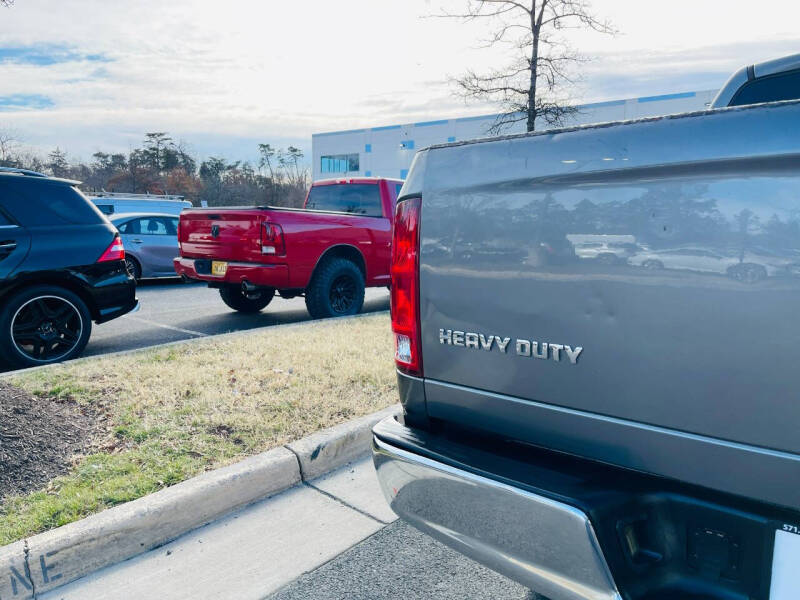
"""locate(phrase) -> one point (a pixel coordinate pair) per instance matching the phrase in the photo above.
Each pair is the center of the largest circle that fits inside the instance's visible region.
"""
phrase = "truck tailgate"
(587, 273)
(225, 234)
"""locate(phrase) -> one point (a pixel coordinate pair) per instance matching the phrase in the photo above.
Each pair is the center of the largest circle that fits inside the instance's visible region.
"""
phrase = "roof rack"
(21, 172)
(136, 196)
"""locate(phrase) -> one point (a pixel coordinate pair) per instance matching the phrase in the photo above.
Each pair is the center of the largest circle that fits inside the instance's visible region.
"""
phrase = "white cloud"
(246, 70)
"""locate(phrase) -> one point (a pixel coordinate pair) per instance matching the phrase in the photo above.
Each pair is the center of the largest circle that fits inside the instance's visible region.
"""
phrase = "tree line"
(162, 166)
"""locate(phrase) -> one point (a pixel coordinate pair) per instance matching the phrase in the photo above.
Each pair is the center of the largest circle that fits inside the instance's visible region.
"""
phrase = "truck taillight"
(272, 239)
(405, 286)
(116, 251)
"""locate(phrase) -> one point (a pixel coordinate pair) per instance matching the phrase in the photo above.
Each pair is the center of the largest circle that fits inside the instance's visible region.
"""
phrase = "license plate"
(219, 268)
(785, 560)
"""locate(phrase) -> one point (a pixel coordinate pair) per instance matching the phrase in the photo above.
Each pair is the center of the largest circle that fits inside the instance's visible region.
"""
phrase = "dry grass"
(174, 412)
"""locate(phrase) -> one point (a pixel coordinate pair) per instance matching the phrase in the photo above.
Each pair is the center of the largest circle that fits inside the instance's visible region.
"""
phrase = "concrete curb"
(46, 561)
(326, 450)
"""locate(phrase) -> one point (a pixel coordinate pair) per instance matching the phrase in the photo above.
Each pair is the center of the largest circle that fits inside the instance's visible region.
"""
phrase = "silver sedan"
(151, 242)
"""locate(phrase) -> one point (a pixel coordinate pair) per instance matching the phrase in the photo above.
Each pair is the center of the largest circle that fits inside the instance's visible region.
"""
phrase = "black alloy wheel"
(343, 294)
(133, 268)
(47, 329)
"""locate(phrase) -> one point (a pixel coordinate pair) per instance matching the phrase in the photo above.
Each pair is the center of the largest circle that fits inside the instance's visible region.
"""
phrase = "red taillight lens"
(272, 239)
(116, 251)
(405, 286)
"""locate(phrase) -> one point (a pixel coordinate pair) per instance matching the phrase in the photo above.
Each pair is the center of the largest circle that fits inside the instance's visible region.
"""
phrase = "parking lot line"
(163, 326)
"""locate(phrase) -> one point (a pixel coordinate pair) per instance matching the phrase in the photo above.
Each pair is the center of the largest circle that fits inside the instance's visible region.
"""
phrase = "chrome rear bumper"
(546, 545)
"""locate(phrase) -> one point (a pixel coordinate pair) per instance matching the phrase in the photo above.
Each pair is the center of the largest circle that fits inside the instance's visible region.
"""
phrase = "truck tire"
(43, 324)
(254, 302)
(336, 290)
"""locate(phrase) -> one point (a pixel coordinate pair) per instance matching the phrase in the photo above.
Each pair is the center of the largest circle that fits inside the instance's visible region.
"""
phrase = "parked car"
(151, 243)
(328, 251)
(608, 249)
(748, 265)
(603, 435)
(62, 266)
(114, 203)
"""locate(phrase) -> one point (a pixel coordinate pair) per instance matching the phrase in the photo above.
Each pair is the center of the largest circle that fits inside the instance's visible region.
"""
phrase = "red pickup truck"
(329, 251)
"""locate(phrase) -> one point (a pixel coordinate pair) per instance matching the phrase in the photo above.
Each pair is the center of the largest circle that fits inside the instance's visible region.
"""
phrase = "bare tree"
(533, 85)
(293, 156)
(6, 2)
(9, 145)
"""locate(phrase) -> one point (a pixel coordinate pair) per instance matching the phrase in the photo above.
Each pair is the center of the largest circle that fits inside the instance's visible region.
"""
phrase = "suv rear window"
(41, 203)
(356, 198)
(784, 86)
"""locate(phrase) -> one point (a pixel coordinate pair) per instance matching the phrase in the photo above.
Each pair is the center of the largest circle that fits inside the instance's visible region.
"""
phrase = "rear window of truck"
(42, 203)
(355, 198)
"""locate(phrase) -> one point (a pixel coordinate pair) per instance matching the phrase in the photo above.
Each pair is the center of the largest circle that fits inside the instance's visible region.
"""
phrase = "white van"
(115, 203)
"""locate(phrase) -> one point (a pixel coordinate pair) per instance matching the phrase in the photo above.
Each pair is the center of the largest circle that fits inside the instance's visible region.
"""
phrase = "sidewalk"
(255, 551)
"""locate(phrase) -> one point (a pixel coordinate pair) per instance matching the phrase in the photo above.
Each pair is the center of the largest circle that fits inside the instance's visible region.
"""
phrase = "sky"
(89, 75)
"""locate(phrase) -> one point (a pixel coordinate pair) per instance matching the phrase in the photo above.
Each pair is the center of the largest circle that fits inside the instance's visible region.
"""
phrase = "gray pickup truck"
(598, 349)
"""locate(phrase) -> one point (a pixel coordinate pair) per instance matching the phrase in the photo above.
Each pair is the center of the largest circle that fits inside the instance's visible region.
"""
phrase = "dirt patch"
(38, 438)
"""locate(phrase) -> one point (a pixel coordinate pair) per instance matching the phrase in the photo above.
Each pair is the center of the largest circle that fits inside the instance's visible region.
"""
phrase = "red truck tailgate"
(228, 234)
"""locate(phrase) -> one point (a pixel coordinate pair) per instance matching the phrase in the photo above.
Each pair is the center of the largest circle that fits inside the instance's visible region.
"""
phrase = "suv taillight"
(116, 251)
(272, 239)
(405, 286)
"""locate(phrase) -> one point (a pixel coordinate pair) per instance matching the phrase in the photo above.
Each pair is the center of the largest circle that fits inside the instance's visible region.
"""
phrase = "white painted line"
(163, 326)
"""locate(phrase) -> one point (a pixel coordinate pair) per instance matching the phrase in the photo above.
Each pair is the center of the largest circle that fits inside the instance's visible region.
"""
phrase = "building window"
(368, 148)
(452, 138)
(339, 163)
(403, 173)
(367, 173)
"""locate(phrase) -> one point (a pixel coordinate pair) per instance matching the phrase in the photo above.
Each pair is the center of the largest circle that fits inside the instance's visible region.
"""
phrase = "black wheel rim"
(46, 328)
(131, 267)
(343, 294)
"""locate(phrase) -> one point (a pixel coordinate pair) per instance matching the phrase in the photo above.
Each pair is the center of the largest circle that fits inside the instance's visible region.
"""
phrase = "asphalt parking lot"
(400, 562)
(172, 311)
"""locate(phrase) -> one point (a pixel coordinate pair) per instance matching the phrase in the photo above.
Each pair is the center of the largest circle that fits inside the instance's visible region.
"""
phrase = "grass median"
(168, 414)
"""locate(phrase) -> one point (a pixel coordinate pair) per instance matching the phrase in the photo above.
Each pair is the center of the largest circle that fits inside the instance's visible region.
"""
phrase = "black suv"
(62, 266)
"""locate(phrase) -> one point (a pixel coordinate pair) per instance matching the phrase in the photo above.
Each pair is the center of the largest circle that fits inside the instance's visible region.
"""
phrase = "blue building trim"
(328, 133)
(496, 115)
(367, 173)
(478, 118)
(429, 123)
(407, 144)
(452, 138)
(386, 128)
(403, 173)
(602, 104)
(667, 97)
(367, 148)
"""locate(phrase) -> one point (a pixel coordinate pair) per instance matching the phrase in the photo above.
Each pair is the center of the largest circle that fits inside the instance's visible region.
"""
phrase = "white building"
(387, 151)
